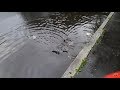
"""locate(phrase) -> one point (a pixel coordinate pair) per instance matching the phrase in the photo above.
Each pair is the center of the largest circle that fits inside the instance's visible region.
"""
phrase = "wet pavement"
(105, 55)
(42, 45)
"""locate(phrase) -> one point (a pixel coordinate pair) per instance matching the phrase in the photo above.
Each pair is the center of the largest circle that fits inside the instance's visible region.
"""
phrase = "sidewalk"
(104, 58)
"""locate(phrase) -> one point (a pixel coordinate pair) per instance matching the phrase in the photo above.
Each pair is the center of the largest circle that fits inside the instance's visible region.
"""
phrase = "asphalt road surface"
(105, 56)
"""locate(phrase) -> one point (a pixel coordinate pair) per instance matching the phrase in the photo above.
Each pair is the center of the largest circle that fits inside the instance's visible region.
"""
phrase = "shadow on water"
(28, 16)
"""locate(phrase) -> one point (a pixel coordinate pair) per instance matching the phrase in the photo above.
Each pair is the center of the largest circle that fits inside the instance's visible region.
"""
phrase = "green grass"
(101, 37)
(84, 62)
(80, 68)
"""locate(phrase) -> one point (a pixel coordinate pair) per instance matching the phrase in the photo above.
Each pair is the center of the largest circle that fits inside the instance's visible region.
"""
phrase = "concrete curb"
(74, 66)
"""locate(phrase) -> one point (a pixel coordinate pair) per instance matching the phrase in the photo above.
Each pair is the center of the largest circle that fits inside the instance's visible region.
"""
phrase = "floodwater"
(43, 44)
(104, 58)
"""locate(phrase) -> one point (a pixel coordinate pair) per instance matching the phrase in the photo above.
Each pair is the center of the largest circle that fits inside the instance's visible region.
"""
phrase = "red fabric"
(113, 75)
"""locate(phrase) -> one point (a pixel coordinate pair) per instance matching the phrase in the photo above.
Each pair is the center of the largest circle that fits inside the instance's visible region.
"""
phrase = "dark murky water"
(104, 58)
(65, 31)
(58, 33)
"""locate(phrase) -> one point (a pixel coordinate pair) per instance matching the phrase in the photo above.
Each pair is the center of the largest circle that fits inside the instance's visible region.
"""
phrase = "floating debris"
(57, 52)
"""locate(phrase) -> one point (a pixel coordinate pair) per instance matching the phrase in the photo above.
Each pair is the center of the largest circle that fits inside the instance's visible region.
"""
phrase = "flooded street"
(43, 44)
(104, 58)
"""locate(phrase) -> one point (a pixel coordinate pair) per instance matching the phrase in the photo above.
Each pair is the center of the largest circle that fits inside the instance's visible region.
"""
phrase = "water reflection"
(29, 16)
(63, 31)
(58, 32)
